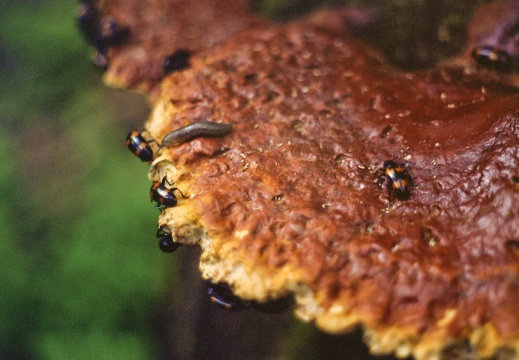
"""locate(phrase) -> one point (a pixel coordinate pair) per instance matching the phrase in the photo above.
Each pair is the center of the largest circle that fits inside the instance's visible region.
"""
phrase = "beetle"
(399, 182)
(492, 57)
(139, 145)
(221, 295)
(166, 243)
(102, 33)
(110, 33)
(88, 22)
(179, 60)
(163, 195)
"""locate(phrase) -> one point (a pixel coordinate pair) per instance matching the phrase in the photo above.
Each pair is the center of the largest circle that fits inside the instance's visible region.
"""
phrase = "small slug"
(194, 130)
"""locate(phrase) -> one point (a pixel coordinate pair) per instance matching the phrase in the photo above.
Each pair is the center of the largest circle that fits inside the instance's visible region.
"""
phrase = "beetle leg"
(184, 196)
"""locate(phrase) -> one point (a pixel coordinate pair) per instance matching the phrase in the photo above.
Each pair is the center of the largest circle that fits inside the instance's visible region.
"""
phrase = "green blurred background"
(80, 277)
(81, 274)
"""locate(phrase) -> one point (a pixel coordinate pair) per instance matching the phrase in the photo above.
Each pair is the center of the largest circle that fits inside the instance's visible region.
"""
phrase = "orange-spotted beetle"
(139, 146)
(399, 182)
(492, 57)
(164, 196)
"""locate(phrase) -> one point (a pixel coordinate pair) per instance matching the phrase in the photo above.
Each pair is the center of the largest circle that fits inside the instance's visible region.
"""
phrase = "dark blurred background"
(81, 276)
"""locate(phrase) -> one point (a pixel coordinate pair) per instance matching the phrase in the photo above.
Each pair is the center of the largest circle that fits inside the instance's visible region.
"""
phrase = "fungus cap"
(290, 202)
(160, 27)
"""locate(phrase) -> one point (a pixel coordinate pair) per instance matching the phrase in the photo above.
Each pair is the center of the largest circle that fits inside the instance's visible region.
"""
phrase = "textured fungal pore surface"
(294, 200)
(303, 197)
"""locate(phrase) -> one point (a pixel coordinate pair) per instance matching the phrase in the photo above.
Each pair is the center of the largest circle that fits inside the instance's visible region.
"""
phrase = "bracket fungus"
(162, 28)
(290, 202)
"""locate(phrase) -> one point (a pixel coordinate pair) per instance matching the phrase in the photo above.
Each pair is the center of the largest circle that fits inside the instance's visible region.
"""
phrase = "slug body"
(194, 130)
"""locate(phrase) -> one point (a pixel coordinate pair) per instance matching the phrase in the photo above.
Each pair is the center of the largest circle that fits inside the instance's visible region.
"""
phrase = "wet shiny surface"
(294, 185)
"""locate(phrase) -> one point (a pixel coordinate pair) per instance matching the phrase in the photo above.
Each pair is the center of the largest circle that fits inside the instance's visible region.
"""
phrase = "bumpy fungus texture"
(160, 27)
(290, 202)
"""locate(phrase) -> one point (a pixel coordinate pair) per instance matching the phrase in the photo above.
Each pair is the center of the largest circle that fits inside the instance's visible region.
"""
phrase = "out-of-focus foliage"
(81, 275)
(411, 33)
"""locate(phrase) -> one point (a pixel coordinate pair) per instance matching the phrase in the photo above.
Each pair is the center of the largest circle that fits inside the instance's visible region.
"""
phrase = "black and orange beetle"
(492, 57)
(163, 195)
(177, 61)
(88, 22)
(399, 182)
(139, 146)
(111, 34)
(166, 243)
